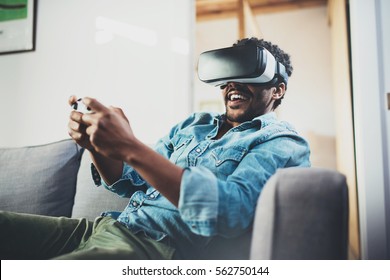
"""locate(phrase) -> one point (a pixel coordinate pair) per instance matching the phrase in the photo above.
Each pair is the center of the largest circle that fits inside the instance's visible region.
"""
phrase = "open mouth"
(235, 97)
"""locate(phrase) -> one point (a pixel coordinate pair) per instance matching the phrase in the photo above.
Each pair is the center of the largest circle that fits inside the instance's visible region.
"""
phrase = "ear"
(279, 91)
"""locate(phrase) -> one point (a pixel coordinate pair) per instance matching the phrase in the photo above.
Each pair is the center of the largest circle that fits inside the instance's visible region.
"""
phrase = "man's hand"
(108, 130)
(110, 135)
(77, 128)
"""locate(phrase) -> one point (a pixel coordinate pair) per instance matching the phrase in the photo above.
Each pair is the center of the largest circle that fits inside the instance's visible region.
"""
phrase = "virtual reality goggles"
(243, 64)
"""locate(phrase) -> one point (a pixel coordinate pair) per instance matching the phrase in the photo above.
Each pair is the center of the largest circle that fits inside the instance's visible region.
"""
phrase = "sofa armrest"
(302, 213)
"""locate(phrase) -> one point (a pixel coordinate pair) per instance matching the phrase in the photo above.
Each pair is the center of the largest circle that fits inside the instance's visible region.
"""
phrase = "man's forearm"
(109, 169)
(156, 170)
(112, 138)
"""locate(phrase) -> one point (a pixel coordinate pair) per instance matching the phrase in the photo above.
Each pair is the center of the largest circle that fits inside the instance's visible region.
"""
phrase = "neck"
(225, 127)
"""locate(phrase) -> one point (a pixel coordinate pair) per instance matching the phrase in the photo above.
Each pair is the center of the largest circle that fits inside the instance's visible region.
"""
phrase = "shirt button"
(134, 203)
(151, 196)
(198, 150)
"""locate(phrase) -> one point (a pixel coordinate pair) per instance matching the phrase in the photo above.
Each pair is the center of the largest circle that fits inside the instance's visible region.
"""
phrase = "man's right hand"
(110, 170)
(77, 129)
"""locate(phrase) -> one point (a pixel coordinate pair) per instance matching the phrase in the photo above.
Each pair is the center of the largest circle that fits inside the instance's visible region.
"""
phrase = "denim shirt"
(221, 182)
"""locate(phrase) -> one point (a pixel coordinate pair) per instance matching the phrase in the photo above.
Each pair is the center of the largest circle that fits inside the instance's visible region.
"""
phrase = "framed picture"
(17, 25)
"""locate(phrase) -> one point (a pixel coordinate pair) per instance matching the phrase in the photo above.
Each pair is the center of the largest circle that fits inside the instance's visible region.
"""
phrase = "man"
(201, 182)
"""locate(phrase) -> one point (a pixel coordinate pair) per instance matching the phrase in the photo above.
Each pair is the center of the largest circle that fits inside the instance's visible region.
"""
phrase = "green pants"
(25, 236)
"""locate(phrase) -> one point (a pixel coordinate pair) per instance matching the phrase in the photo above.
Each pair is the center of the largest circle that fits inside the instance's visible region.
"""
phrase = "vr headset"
(243, 64)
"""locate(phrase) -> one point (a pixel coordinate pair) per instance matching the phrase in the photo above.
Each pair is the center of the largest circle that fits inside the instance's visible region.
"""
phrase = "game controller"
(79, 106)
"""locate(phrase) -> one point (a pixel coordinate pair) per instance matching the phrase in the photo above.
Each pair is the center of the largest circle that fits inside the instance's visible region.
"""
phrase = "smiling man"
(200, 184)
(244, 102)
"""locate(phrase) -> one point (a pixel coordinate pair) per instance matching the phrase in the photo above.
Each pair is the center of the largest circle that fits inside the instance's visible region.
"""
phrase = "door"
(383, 9)
(369, 31)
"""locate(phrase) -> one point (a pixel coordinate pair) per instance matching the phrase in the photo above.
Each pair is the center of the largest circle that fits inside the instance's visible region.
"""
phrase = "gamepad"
(79, 106)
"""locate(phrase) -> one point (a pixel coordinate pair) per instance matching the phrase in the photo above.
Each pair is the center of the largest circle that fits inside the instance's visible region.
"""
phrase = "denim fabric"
(221, 182)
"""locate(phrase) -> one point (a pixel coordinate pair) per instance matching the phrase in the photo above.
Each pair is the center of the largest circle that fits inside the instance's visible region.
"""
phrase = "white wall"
(308, 104)
(131, 54)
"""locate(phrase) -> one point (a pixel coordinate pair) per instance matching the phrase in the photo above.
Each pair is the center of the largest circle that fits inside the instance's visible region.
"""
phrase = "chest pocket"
(179, 144)
(227, 159)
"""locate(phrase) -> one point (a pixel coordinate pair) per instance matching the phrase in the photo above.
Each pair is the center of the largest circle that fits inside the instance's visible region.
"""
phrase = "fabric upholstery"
(302, 213)
(237, 248)
(39, 179)
(90, 201)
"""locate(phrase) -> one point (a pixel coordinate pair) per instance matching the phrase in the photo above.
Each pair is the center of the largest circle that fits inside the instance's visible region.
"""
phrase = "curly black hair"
(277, 52)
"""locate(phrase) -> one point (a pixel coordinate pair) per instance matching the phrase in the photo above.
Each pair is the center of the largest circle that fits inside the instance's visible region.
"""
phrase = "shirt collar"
(266, 119)
(262, 120)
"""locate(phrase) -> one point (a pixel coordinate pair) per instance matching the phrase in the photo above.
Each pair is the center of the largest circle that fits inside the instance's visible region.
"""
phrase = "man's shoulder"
(271, 122)
(272, 127)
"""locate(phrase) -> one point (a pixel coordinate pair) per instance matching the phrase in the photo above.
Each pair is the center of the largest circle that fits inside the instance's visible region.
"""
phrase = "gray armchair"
(302, 214)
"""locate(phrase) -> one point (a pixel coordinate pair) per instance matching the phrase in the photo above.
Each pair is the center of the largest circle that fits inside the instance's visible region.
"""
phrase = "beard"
(238, 118)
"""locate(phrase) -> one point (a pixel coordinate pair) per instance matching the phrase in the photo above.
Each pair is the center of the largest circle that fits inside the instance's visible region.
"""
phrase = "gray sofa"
(302, 213)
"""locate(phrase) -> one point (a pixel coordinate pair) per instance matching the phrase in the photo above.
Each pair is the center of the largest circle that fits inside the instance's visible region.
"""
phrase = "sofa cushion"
(90, 201)
(39, 179)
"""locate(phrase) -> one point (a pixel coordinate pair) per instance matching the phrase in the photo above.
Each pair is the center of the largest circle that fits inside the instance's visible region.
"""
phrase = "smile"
(234, 96)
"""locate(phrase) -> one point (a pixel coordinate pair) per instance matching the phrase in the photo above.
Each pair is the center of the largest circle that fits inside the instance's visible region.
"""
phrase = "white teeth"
(236, 96)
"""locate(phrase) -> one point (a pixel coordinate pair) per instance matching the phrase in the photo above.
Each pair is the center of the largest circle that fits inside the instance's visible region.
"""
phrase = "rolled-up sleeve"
(198, 202)
(214, 206)
(129, 183)
(130, 180)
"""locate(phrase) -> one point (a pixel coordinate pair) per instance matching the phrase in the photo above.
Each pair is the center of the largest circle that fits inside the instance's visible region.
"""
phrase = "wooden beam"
(217, 15)
(205, 7)
(272, 7)
(249, 16)
(224, 9)
(241, 19)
